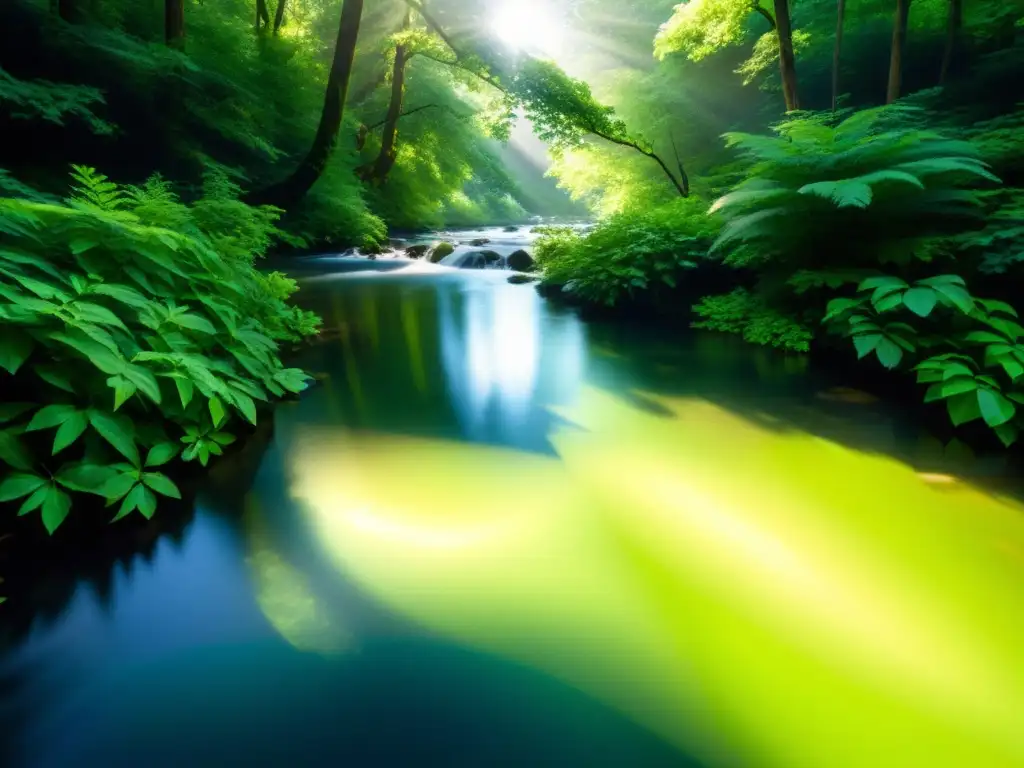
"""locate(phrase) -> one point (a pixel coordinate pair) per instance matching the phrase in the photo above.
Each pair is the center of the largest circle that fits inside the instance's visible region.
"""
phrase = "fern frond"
(94, 190)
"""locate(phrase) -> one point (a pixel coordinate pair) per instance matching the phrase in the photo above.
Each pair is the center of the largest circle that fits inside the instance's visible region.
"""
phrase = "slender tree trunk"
(837, 53)
(953, 26)
(899, 42)
(174, 23)
(262, 15)
(389, 141)
(292, 189)
(279, 16)
(787, 61)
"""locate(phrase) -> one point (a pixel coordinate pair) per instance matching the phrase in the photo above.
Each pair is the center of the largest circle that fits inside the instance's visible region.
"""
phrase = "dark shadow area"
(395, 703)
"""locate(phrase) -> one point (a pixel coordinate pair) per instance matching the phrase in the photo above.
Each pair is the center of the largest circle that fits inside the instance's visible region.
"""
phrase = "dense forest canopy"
(841, 174)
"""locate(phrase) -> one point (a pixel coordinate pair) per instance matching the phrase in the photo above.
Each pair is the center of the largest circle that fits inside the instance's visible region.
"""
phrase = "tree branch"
(459, 65)
(683, 190)
(377, 125)
(764, 12)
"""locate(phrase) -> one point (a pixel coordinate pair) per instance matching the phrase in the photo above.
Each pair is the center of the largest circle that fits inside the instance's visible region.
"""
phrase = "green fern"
(94, 190)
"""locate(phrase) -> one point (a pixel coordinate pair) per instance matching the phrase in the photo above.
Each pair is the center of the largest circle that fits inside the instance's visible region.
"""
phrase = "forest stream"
(495, 534)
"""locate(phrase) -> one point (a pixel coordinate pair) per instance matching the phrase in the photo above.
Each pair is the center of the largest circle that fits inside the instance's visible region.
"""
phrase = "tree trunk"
(388, 146)
(899, 42)
(262, 15)
(837, 53)
(288, 191)
(787, 61)
(953, 26)
(174, 23)
(279, 16)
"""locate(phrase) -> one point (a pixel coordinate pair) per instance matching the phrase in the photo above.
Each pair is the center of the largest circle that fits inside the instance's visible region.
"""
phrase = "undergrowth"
(137, 334)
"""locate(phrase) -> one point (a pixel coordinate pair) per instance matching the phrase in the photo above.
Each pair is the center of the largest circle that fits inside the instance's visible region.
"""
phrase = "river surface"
(496, 535)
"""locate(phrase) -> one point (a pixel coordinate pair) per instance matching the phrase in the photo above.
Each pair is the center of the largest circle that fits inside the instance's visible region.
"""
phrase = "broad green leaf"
(97, 354)
(70, 431)
(131, 501)
(123, 390)
(217, 412)
(866, 344)
(953, 370)
(889, 353)
(15, 347)
(50, 416)
(147, 503)
(41, 289)
(117, 431)
(185, 390)
(995, 408)
(123, 294)
(985, 337)
(1008, 433)
(963, 408)
(877, 282)
(222, 438)
(992, 305)
(942, 280)
(246, 406)
(94, 313)
(293, 379)
(889, 302)
(35, 501)
(18, 484)
(1013, 368)
(933, 393)
(144, 381)
(884, 290)
(190, 452)
(956, 296)
(118, 485)
(13, 451)
(55, 375)
(85, 478)
(920, 301)
(160, 454)
(194, 322)
(56, 507)
(161, 484)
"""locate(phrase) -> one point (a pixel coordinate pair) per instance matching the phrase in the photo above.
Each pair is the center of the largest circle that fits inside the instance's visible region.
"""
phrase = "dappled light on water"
(757, 596)
(284, 594)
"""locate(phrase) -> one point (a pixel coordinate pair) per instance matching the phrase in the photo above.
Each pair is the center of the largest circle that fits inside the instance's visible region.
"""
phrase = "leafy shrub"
(628, 252)
(871, 189)
(127, 345)
(747, 315)
(982, 373)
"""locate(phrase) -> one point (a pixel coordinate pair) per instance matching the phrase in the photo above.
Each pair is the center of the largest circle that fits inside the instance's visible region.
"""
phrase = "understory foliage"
(137, 333)
(866, 212)
(627, 253)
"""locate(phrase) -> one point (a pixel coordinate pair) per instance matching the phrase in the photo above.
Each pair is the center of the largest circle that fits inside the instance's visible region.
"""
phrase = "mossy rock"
(479, 241)
(439, 251)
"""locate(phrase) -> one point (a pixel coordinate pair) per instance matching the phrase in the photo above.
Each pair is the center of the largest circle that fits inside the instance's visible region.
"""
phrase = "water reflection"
(690, 570)
(515, 539)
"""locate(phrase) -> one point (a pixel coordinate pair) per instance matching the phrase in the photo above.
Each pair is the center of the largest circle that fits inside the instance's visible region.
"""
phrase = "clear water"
(495, 535)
